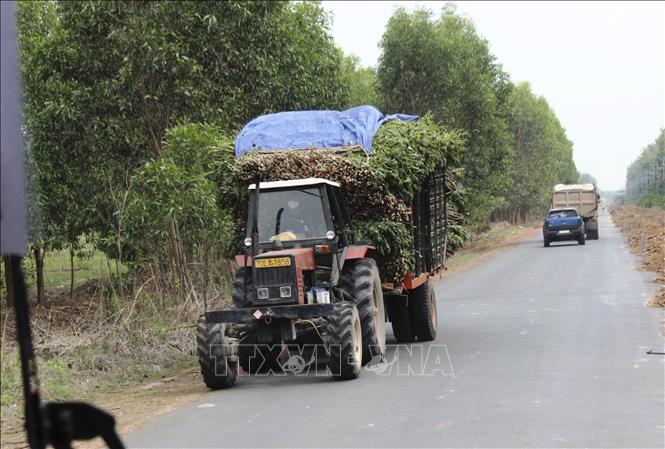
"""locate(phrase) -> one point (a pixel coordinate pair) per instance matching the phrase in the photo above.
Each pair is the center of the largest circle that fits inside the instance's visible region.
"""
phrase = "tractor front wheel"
(218, 367)
(362, 282)
(344, 341)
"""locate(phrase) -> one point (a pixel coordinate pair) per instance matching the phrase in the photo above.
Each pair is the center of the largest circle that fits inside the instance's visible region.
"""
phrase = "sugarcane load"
(342, 219)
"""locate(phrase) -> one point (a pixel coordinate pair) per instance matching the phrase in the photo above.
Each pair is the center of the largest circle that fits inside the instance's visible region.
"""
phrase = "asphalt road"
(544, 347)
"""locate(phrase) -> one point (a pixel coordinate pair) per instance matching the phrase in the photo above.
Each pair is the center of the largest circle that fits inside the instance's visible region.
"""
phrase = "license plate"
(564, 232)
(273, 262)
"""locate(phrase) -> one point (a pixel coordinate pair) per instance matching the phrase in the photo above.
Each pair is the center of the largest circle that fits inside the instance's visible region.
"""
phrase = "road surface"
(547, 347)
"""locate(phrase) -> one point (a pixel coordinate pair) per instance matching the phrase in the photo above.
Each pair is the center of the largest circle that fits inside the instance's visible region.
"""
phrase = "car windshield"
(291, 215)
(562, 214)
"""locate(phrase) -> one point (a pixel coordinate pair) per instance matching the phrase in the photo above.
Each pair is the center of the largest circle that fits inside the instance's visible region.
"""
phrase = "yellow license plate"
(273, 262)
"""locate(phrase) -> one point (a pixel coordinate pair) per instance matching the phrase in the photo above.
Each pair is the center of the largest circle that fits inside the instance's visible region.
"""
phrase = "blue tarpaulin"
(314, 129)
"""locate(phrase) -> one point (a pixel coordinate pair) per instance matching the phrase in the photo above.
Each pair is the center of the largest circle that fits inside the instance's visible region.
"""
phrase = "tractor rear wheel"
(238, 296)
(422, 307)
(344, 341)
(217, 367)
(361, 281)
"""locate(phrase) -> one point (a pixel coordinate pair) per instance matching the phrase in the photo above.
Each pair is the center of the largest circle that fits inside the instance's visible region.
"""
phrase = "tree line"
(645, 177)
(130, 110)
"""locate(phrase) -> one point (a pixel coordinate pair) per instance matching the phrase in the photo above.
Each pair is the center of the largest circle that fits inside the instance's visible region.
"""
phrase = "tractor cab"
(300, 213)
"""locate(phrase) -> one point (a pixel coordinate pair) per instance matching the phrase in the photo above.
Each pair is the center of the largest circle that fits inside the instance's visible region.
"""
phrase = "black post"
(34, 420)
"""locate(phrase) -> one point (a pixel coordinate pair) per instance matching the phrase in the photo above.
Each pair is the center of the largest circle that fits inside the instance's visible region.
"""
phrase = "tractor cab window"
(291, 215)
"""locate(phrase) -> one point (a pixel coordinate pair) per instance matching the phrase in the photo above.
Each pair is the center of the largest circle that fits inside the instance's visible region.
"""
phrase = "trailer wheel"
(344, 341)
(217, 368)
(361, 281)
(422, 307)
(402, 328)
(238, 296)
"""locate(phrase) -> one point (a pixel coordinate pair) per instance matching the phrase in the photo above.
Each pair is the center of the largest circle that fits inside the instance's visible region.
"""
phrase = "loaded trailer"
(308, 291)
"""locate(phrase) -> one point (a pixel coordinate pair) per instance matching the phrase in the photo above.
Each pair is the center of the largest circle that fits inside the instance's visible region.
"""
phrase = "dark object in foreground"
(58, 424)
(563, 224)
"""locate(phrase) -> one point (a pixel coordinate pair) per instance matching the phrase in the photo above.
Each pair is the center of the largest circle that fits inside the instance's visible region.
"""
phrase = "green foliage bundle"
(378, 189)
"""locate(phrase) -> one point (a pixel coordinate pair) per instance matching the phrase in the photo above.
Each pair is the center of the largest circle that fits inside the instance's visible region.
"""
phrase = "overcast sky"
(601, 66)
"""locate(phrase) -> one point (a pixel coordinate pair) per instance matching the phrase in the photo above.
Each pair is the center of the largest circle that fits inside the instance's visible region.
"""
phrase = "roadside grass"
(479, 244)
(84, 351)
(89, 264)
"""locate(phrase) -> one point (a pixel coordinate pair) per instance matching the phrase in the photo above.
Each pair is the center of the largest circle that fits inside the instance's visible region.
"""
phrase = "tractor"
(306, 289)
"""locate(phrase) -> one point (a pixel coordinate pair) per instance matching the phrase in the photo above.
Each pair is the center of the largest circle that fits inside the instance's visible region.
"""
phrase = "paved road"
(548, 348)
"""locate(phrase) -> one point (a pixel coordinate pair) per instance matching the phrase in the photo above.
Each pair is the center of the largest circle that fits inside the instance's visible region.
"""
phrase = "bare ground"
(644, 229)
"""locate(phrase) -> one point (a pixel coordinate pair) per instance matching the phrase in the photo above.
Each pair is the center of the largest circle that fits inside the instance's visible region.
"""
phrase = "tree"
(586, 178)
(542, 155)
(361, 82)
(645, 178)
(442, 65)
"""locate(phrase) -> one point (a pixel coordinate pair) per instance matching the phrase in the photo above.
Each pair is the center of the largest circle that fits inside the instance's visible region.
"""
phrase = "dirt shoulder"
(482, 247)
(644, 229)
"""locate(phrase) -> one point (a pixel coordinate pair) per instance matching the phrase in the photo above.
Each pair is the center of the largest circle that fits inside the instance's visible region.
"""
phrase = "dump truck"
(584, 199)
(308, 293)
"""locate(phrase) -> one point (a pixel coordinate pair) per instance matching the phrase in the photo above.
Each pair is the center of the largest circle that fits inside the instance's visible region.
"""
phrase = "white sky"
(601, 66)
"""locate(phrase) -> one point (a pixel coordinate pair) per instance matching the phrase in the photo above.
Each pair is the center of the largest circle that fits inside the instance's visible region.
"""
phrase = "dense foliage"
(361, 82)
(542, 157)
(441, 65)
(645, 179)
(98, 104)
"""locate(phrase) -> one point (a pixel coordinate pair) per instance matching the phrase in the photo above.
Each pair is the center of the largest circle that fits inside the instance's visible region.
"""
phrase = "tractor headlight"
(330, 235)
(248, 242)
(285, 292)
(262, 293)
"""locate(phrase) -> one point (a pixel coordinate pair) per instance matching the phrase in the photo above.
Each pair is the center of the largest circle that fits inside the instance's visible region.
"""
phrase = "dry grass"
(90, 346)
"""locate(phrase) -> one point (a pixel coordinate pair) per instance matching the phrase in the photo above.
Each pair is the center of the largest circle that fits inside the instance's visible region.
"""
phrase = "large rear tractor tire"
(218, 368)
(422, 308)
(344, 341)
(362, 282)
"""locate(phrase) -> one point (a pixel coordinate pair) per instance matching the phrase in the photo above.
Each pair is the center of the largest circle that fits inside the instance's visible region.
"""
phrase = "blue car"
(563, 224)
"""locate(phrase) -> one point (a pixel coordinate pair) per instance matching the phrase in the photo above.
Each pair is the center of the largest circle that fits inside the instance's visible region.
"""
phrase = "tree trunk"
(39, 269)
(9, 281)
(71, 271)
